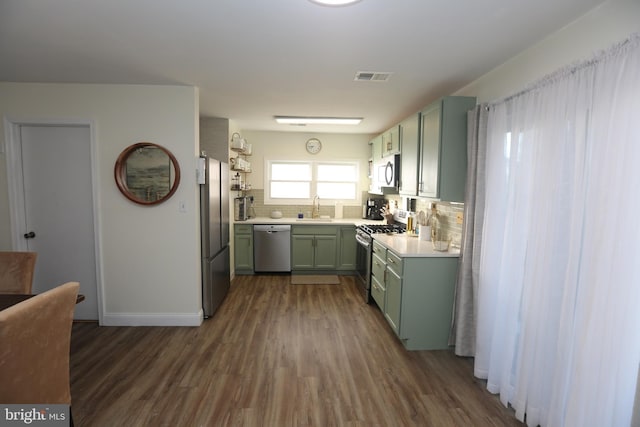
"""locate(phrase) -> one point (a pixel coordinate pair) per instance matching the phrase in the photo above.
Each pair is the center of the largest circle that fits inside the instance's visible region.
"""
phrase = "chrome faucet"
(315, 207)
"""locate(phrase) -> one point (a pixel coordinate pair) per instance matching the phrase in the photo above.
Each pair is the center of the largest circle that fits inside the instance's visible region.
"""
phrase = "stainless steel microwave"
(388, 171)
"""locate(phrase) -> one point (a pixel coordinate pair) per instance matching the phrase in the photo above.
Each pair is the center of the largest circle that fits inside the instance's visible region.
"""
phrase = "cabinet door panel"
(376, 155)
(430, 151)
(325, 252)
(243, 251)
(348, 248)
(377, 293)
(377, 268)
(393, 300)
(302, 250)
(409, 141)
(391, 141)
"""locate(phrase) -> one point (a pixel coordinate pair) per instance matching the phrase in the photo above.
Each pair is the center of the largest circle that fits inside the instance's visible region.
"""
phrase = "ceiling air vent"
(372, 76)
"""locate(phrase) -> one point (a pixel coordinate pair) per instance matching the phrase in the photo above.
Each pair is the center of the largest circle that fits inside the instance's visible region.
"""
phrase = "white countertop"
(411, 246)
(402, 244)
(305, 221)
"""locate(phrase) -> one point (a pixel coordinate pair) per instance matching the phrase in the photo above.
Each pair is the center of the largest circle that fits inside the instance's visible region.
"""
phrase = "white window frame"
(268, 200)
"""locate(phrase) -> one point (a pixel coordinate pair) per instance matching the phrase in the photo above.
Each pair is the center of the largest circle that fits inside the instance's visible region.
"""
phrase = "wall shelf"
(239, 165)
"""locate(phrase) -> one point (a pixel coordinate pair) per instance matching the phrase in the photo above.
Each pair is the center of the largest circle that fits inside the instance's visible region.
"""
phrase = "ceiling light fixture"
(297, 120)
(334, 2)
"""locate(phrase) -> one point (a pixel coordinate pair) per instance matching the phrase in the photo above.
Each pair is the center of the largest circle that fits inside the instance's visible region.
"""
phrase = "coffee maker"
(241, 208)
(372, 208)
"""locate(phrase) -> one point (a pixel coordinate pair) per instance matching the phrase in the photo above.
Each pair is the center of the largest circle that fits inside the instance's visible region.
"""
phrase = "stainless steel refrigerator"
(214, 219)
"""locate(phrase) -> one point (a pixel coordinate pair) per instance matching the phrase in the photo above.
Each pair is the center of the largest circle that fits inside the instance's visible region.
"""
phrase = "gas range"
(368, 229)
(365, 250)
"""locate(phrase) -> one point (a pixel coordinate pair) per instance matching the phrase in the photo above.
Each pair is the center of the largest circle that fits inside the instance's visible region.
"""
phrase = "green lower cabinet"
(302, 252)
(427, 302)
(243, 249)
(314, 248)
(393, 300)
(378, 293)
(416, 296)
(378, 274)
(348, 248)
(325, 252)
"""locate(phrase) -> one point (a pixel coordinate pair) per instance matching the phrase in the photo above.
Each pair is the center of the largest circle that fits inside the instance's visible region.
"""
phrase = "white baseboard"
(153, 319)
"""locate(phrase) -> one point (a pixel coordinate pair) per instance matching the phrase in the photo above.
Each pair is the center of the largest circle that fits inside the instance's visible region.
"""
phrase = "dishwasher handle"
(271, 228)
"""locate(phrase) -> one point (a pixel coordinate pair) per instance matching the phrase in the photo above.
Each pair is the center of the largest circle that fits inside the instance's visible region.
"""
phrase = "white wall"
(602, 27)
(291, 145)
(150, 268)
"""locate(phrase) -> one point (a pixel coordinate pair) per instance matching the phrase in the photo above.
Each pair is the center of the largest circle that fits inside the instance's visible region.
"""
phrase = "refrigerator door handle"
(201, 171)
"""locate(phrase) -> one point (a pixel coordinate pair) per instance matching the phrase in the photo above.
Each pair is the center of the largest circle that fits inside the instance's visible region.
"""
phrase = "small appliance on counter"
(373, 207)
(241, 208)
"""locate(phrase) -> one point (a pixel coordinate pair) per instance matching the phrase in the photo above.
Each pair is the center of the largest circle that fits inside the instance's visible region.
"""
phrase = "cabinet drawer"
(314, 229)
(379, 250)
(377, 293)
(243, 229)
(394, 262)
(377, 267)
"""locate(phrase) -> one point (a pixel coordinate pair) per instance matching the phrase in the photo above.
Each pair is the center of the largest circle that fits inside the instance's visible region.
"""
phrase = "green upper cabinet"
(391, 141)
(430, 151)
(443, 148)
(376, 149)
(376, 155)
(409, 141)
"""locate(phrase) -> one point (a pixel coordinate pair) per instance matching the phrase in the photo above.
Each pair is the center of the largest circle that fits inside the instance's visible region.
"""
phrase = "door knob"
(30, 235)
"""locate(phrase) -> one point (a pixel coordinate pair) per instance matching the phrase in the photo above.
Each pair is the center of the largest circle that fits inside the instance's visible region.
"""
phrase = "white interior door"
(58, 204)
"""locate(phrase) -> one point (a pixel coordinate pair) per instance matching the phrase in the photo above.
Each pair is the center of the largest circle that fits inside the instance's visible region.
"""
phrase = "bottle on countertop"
(434, 222)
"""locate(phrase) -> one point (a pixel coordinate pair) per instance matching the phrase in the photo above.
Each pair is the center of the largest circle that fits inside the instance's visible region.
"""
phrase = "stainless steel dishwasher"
(272, 248)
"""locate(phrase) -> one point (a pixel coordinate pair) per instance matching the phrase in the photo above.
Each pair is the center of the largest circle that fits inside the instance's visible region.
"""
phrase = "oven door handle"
(362, 241)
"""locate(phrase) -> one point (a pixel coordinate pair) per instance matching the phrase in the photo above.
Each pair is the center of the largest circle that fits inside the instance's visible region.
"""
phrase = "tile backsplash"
(447, 212)
(447, 215)
(292, 211)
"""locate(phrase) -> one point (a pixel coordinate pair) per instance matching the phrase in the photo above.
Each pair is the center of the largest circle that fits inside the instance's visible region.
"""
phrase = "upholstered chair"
(16, 272)
(35, 340)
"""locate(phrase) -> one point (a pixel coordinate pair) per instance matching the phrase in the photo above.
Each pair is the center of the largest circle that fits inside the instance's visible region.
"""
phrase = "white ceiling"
(253, 59)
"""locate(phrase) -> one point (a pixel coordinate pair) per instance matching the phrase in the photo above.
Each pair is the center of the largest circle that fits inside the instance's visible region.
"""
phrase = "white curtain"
(558, 316)
(463, 325)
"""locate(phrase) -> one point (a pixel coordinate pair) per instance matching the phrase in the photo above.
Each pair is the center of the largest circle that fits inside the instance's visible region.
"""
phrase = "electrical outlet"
(459, 218)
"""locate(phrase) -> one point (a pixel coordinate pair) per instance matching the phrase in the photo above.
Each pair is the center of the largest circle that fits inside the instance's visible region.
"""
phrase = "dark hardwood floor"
(274, 354)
